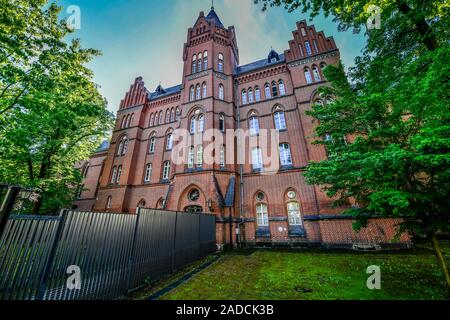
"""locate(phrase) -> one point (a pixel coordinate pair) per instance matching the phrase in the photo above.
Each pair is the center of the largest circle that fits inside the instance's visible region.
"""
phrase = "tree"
(393, 107)
(53, 119)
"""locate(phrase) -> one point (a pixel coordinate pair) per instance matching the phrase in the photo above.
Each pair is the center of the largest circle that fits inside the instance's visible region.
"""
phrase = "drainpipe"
(241, 167)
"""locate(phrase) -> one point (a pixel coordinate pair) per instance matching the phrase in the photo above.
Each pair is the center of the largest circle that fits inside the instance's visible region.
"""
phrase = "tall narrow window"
(123, 122)
(205, 90)
(205, 60)
(167, 116)
(250, 96)
(308, 48)
(130, 123)
(293, 209)
(191, 158)
(262, 216)
(316, 73)
(169, 142)
(192, 125)
(114, 175)
(192, 94)
(119, 174)
(244, 97)
(300, 47)
(316, 50)
(161, 120)
(198, 92)
(267, 91)
(151, 148)
(222, 123)
(178, 114)
(194, 63)
(125, 147)
(254, 125)
(199, 156)
(220, 63)
(222, 156)
(285, 154)
(257, 94)
(282, 88)
(120, 148)
(280, 121)
(274, 89)
(201, 123)
(166, 170)
(308, 76)
(152, 118)
(172, 115)
(148, 172)
(108, 203)
(221, 92)
(200, 62)
(257, 162)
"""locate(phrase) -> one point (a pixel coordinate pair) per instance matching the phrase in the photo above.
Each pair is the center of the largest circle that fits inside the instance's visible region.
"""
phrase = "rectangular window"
(294, 216)
(285, 155)
(257, 95)
(254, 126)
(166, 170)
(280, 121)
(267, 92)
(257, 159)
(148, 173)
(151, 149)
(262, 215)
(199, 156)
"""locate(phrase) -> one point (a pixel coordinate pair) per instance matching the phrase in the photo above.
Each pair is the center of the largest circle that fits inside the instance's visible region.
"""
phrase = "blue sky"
(145, 37)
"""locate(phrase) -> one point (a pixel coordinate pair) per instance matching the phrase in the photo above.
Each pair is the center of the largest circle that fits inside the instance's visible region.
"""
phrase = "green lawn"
(313, 274)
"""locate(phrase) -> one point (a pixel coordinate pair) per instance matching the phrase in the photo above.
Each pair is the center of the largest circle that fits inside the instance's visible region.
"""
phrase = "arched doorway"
(193, 209)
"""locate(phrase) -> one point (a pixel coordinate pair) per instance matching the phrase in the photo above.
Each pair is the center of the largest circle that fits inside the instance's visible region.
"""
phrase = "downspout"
(241, 166)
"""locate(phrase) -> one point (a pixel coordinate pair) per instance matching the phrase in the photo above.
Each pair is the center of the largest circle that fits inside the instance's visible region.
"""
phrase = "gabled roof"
(212, 17)
(160, 92)
(258, 65)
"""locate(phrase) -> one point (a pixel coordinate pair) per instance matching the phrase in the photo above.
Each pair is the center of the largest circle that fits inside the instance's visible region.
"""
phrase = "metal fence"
(115, 253)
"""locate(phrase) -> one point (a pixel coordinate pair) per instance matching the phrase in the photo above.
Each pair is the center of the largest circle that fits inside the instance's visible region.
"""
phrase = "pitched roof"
(160, 92)
(258, 65)
(212, 17)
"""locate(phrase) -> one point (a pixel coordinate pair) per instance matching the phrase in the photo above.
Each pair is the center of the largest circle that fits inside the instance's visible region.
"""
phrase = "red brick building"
(136, 167)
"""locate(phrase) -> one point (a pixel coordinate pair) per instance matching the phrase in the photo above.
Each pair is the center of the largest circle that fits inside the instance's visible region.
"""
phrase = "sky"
(146, 37)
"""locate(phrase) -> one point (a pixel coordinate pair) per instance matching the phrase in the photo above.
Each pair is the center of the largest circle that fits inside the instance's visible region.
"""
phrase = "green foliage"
(52, 114)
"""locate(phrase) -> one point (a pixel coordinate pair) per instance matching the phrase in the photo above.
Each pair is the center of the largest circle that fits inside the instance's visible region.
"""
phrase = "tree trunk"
(440, 258)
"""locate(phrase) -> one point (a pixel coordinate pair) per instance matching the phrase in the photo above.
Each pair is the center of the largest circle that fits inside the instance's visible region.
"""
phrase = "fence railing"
(115, 253)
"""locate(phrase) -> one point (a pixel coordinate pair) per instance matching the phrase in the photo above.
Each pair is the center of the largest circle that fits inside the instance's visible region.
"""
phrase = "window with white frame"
(205, 90)
(151, 148)
(250, 95)
(222, 122)
(194, 63)
(152, 118)
(192, 125)
(274, 89)
(220, 63)
(198, 92)
(119, 174)
(257, 94)
(293, 209)
(192, 94)
(285, 154)
(191, 158)
(205, 60)
(267, 91)
(282, 88)
(316, 73)
(114, 175)
(201, 123)
(169, 142)
(166, 170)
(253, 124)
(280, 121)
(148, 172)
(244, 97)
(199, 62)
(199, 156)
(257, 162)
(221, 92)
(262, 215)
(308, 76)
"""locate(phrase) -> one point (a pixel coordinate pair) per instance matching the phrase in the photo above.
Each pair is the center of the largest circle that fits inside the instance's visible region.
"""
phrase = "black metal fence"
(114, 253)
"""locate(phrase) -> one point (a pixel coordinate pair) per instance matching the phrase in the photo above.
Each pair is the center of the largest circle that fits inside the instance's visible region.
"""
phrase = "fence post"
(174, 241)
(7, 206)
(46, 272)
(133, 251)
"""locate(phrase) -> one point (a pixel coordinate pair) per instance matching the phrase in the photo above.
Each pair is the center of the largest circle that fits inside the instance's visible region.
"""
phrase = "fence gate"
(114, 253)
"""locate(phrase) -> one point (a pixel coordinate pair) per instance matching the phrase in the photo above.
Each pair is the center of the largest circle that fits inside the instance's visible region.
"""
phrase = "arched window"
(148, 172)
(166, 170)
(205, 60)
(280, 121)
(267, 91)
(285, 154)
(222, 122)
(220, 63)
(274, 89)
(303, 32)
(244, 97)
(192, 94)
(114, 175)
(294, 215)
(141, 204)
(316, 49)
(221, 92)
(282, 88)
(178, 114)
(199, 156)
(172, 115)
(194, 63)
(151, 148)
(152, 118)
(119, 174)
(122, 125)
(308, 76)
(257, 162)
(308, 48)
(205, 90)
(130, 122)
(161, 120)
(126, 121)
(191, 157)
(323, 65)
(250, 95)
(316, 74)
(257, 94)
(123, 146)
(199, 62)
(169, 142)
(262, 215)
(201, 123)
(198, 92)
(253, 124)
(108, 203)
(222, 156)
(192, 125)
(167, 116)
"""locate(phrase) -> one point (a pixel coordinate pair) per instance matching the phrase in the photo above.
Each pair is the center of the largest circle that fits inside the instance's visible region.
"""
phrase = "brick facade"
(230, 190)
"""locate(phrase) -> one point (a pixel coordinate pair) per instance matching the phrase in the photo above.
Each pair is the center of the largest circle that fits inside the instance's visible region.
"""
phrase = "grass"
(312, 275)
